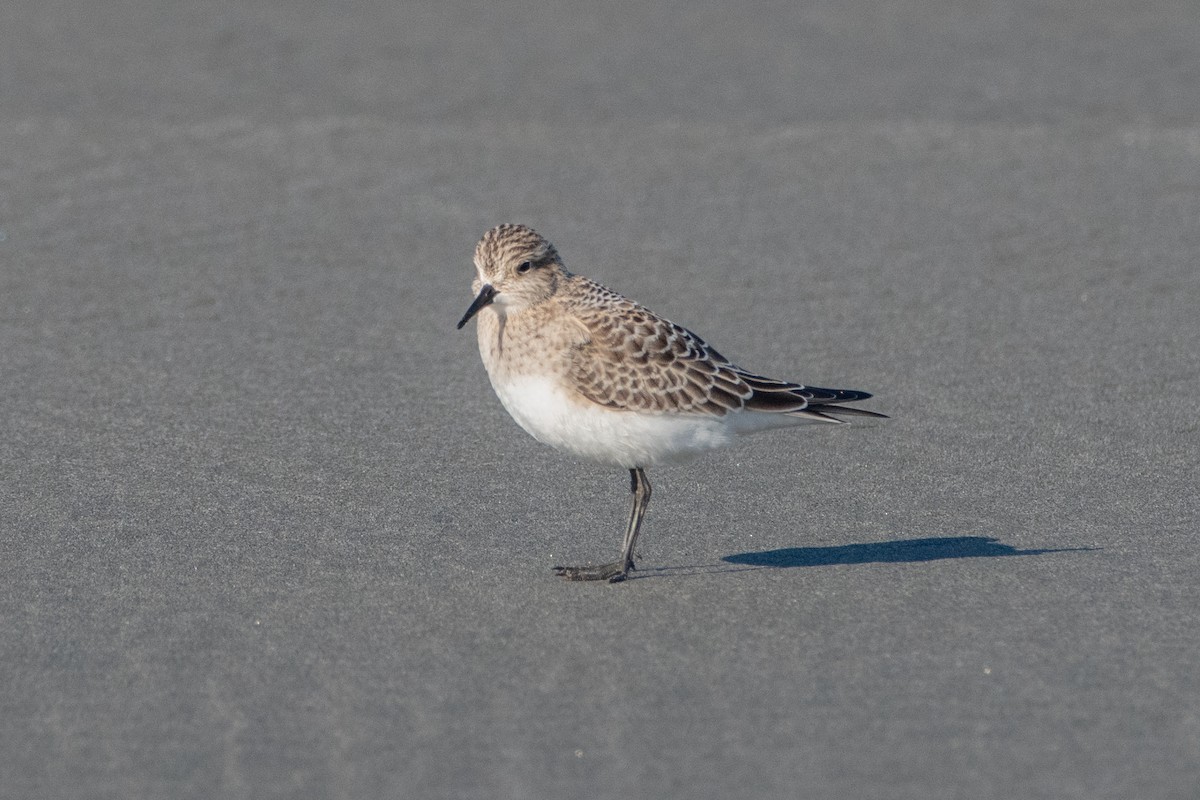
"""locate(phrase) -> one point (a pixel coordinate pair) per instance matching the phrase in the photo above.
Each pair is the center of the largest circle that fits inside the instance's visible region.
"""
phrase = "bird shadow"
(900, 551)
(895, 552)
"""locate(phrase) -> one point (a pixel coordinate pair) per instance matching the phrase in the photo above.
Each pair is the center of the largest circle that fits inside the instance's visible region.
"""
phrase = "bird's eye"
(524, 267)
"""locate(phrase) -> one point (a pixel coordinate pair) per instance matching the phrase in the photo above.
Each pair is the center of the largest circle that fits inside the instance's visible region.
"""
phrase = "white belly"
(622, 438)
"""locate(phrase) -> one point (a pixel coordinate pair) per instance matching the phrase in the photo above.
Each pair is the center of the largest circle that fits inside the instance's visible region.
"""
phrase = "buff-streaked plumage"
(634, 360)
(620, 355)
(586, 370)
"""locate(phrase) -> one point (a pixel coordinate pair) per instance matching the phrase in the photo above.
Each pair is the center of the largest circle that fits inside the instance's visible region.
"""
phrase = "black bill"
(486, 295)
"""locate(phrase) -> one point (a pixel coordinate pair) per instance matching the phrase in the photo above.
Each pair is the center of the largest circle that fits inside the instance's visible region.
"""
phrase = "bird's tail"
(805, 402)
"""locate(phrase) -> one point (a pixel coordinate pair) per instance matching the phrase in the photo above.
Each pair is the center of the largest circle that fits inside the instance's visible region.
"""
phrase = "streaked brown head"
(515, 268)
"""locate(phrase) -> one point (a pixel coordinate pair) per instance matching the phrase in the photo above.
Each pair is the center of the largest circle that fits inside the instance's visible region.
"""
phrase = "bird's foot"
(613, 573)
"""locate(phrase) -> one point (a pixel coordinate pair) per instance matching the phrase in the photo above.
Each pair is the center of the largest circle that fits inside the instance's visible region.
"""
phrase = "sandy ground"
(268, 533)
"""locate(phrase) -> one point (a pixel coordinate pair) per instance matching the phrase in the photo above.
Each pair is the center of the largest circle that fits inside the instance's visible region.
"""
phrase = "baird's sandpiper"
(583, 369)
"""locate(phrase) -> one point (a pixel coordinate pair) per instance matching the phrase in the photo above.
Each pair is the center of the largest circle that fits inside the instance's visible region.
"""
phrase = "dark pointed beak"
(486, 295)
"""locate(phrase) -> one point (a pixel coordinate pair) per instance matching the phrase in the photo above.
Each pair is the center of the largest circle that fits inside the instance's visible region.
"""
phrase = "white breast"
(628, 439)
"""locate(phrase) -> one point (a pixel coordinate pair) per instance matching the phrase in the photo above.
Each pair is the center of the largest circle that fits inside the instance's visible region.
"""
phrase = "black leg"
(617, 571)
(639, 485)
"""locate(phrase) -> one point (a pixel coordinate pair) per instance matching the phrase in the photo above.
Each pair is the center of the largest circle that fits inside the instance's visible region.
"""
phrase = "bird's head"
(515, 269)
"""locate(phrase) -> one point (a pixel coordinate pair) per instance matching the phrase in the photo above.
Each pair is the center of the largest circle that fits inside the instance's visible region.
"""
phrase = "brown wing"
(638, 361)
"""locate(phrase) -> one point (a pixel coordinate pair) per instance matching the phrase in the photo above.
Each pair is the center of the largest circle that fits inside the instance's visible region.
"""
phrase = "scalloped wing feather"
(634, 360)
(637, 361)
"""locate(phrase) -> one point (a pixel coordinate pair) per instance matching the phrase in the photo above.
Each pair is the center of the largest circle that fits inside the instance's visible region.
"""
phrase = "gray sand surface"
(267, 532)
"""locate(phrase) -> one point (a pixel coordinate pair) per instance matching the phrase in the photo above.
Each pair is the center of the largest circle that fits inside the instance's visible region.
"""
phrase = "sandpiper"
(583, 369)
